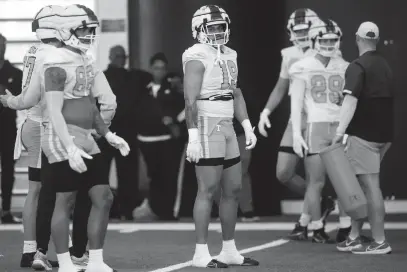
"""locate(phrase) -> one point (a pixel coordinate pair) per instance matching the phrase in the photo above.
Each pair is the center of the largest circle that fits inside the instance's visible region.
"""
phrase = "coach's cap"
(368, 30)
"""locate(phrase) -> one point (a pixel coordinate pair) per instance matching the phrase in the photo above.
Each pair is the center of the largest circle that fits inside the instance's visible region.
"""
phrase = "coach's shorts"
(320, 135)
(31, 139)
(218, 140)
(365, 156)
(62, 178)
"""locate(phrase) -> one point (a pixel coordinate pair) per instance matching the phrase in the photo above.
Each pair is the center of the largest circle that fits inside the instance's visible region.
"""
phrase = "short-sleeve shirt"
(369, 78)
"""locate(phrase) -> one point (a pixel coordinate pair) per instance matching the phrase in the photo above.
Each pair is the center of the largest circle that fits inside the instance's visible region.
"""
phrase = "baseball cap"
(368, 30)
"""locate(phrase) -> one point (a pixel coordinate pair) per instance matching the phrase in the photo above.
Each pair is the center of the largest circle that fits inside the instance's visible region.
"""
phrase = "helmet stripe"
(215, 13)
(299, 17)
(330, 27)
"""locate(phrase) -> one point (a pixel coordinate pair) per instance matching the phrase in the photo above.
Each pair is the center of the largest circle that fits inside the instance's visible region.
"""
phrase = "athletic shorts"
(365, 156)
(218, 140)
(31, 139)
(62, 178)
(319, 136)
(287, 140)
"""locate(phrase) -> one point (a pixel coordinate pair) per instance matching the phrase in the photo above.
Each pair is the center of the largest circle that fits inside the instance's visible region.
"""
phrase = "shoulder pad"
(290, 52)
(298, 67)
(230, 51)
(55, 55)
(196, 52)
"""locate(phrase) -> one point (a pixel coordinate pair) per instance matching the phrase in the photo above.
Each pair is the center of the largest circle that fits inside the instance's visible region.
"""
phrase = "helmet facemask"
(214, 33)
(299, 35)
(83, 37)
(327, 45)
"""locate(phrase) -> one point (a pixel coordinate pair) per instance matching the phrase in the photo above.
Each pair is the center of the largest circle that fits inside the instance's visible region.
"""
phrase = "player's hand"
(251, 139)
(5, 97)
(337, 98)
(75, 157)
(118, 143)
(299, 145)
(194, 151)
(264, 122)
(95, 135)
(337, 139)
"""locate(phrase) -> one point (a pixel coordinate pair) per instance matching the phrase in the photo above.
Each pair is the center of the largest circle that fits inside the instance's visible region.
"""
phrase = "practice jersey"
(32, 94)
(78, 104)
(291, 55)
(220, 79)
(323, 84)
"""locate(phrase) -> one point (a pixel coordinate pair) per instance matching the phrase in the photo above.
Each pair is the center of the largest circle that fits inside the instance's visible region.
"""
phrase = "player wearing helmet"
(70, 80)
(317, 83)
(298, 26)
(211, 101)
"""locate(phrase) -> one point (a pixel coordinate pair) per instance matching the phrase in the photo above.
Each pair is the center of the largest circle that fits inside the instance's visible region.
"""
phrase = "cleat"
(373, 248)
(216, 264)
(348, 244)
(80, 263)
(41, 262)
(249, 217)
(8, 218)
(249, 262)
(320, 237)
(342, 235)
(327, 206)
(27, 260)
(299, 233)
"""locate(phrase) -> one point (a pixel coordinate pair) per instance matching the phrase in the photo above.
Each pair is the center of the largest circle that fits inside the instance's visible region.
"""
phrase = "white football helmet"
(299, 23)
(206, 18)
(74, 18)
(326, 37)
(45, 23)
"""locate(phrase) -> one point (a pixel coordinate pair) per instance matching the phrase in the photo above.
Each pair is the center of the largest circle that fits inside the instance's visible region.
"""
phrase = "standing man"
(367, 117)
(124, 123)
(212, 99)
(10, 79)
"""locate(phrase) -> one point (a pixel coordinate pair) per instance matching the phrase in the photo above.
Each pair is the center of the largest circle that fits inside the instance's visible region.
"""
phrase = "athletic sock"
(30, 247)
(318, 224)
(202, 257)
(305, 219)
(65, 262)
(230, 254)
(344, 222)
(96, 263)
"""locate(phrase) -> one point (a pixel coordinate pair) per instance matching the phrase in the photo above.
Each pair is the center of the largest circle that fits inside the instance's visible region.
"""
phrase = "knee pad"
(34, 174)
(230, 162)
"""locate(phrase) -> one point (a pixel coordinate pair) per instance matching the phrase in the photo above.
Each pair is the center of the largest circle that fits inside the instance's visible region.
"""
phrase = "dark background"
(258, 33)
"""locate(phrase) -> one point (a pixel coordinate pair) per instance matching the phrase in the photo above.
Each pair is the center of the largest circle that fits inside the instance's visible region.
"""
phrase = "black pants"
(162, 160)
(7, 141)
(45, 209)
(127, 174)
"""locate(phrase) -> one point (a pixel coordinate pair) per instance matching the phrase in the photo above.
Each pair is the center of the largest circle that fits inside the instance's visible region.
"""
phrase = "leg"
(30, 210)
(81, 213)
(127, 177)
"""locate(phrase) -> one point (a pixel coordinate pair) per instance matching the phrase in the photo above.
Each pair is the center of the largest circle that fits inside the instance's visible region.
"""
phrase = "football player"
(317, 83)
(70, 80)
(298, 26)
(211, 101)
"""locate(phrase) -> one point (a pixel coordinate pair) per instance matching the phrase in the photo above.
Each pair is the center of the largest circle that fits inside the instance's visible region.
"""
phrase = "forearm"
(274, 100)
(98, 123)
(22, 102)
(347, 111)
(191, 113)
(297, 103)
(105, 97)
(240, 109)
(60, 127)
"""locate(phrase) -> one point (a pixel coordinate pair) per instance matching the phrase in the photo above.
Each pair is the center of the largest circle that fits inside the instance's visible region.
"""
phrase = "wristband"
(247, 126)
(193, 135)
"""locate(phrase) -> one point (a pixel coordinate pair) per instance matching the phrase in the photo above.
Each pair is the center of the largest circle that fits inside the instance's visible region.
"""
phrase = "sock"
(70, 242)
(64, 260)
(202, 256)
(96, 256)
(344, 222)
(305, 219)
(230, 254)
(316, 225)
(30, 247)
(379, 242)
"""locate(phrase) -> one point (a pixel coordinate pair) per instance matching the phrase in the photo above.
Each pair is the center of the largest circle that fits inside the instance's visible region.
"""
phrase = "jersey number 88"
(319, 87)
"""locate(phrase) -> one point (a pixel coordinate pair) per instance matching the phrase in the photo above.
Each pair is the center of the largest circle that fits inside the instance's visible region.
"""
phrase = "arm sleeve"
(354, 76)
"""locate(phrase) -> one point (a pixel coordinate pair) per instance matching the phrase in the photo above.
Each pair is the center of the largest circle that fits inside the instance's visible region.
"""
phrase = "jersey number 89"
(84, 80)
(319, 88)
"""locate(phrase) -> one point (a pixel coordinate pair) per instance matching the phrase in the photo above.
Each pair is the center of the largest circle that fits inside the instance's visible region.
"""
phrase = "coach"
(367, 117)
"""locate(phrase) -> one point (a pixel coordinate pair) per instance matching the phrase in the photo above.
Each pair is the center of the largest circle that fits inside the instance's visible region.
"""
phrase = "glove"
(251, 138)
(118, 143)
(194, 148)
(264, 122)
(75, 157)
(299, 145)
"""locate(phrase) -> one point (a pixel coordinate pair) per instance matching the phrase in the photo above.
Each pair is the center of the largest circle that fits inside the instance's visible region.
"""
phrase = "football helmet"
(326, 37)
(45, 22)
(299, 23)
(77, 27)
(210, 25)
